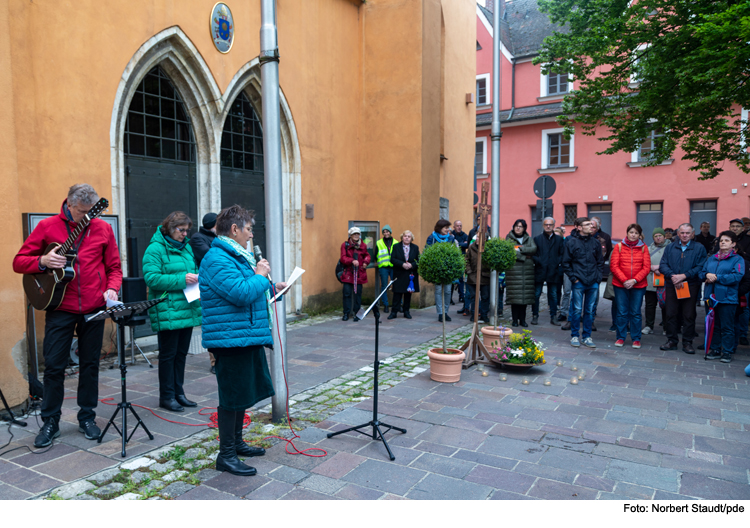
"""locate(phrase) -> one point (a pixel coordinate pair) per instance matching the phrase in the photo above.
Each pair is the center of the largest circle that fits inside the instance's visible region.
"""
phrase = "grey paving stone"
(666, 397)
(354, 492)
(734, 416)
(174, 475)
(140, 476)
(710, 488)
(549, 417)
(438, 449)
(288, 474)
(515, 449)
(322, 484)
(207, 474)
(312, 435)
(636, 419)
(176, 489)
(597, 483)
(450, 467)
(701, 467)
(657, 477)
(431, 417)
(696, 429)
(194, 452)
(154, 485)
(206, 493)
(673, 438)
(641, 456)
(163, 468)
(551, 490)
(547, 472)
(438, 487)
(500, 478)
(384, 476)
(112, 488)
(519, 433)
(104, 476)
(665, 495)
(485, 459)
(573, 461)
(74, 488)
(581, 445)
(592, 412)
(633, 491)
(596, 425)
(440, 434)
(85, 497)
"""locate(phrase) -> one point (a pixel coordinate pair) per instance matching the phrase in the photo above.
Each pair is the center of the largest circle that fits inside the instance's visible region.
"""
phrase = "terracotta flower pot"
(491, 335)
(446, 368)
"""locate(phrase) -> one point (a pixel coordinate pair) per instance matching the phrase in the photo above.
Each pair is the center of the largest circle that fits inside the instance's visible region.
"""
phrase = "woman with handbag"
(630, 263)
(405, 259)
(655, 280)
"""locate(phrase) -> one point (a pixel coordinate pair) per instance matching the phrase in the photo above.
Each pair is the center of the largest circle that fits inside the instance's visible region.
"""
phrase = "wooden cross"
(474, 347)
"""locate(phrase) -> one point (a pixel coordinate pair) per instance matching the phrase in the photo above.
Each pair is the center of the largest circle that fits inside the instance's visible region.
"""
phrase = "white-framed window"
(483, 89)
(743, 128)
(555, 85)
(480, 156)
(644, 154)
(634, 80)
(557, 152)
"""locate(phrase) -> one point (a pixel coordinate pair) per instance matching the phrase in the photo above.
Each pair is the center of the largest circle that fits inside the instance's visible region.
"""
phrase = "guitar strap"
(76, 245)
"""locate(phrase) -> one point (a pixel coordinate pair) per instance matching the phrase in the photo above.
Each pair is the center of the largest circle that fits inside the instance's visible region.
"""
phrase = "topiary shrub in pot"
(500, 256)
(442, 264)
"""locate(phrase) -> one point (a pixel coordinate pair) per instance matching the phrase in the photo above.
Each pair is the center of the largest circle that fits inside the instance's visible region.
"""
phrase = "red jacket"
(97, 266)
(347, 256)
(630, 263)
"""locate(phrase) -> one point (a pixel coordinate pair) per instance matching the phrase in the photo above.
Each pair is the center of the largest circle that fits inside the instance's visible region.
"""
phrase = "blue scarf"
(440, 238)
(248, 255)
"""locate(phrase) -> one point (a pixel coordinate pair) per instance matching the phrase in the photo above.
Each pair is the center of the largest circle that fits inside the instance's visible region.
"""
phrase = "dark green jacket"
(164, 268)
(519, 280)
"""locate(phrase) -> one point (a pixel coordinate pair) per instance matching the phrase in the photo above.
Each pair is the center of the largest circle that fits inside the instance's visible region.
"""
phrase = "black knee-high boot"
(240, 446)
(227, 459)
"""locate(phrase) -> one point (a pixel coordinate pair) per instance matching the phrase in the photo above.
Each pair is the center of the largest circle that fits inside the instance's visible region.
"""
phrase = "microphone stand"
(377, 432)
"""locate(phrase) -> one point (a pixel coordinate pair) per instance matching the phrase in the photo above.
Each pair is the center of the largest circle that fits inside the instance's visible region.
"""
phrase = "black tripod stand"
(123, 314)
(11, 417)
(377, 432)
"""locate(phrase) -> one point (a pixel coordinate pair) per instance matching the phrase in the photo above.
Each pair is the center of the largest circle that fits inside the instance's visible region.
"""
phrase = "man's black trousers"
(687, 321)
(58, 337)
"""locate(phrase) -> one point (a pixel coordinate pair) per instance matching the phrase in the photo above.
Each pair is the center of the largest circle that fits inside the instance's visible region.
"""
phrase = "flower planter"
(492, 334)
(519, 367)
(446, 368)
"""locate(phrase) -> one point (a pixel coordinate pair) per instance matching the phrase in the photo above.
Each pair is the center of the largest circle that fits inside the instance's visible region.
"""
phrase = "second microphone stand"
(377, 432)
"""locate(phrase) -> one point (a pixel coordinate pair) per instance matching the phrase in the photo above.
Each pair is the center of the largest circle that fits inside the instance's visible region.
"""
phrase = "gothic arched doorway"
(242, 164)
(160, 159)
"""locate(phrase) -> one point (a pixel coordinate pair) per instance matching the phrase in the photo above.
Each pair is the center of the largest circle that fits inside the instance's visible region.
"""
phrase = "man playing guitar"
(98, 276)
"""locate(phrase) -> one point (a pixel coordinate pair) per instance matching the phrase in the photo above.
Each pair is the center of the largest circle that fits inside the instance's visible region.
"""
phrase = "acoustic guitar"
(46, 289)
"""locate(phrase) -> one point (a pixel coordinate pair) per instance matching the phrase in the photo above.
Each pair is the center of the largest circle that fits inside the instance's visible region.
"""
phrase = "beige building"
(135, 99)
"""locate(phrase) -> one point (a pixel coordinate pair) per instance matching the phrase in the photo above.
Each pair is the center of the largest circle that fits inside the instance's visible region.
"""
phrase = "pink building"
(616, 188)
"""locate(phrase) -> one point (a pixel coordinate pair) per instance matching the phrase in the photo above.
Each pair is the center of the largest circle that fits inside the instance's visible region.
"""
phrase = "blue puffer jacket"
(729, 272)
(235, 313)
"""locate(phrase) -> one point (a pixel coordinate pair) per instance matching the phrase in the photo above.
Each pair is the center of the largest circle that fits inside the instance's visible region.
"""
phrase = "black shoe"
(669, 345)
(535, 319)
(514, 323)
(562, 317)
(484, 319)
(448, 318)
(440, 318)
(182, 400)
(47, 433)
(688, 348)
(523, 323)
(171, 405)
(744, 341)
(726, 357)
(213, 370)
(713, 354)
(471, 319)
(90, 429)
(241, 447)
(566, 326)
(227, 459)
(407, 315)
(386, 310)
(461, 300)
(554, 322)
(356, 319)
(393, 315)
(701, 347)
(593, 327)
(345, 318)
(452, 303)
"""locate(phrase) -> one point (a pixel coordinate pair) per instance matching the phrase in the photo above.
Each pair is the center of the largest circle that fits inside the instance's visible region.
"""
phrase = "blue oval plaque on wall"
(222, 27)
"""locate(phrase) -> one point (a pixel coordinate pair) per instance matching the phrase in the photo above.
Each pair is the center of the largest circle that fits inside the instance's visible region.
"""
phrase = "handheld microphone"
(259, 257)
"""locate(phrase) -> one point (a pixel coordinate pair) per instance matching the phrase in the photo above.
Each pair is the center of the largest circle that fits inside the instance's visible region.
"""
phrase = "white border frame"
(483, 141)
(545, 147)
(488, 82)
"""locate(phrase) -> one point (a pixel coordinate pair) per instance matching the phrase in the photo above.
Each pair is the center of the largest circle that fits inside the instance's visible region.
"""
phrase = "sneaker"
(574, 341)
(636, 344)
(713, 354)
(620, 342)
(726, 357)
(535, 319)
(647, 330)
(89, 429)
(589, 342)
(49, 431)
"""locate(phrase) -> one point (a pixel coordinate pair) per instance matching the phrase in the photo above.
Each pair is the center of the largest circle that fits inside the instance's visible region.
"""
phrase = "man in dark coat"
(705, 238)
(201, 243)
(743, 249)
(202, 240)
(680, 265)
(583, 263)
(547, 268)
(605, 241)
(463, 243)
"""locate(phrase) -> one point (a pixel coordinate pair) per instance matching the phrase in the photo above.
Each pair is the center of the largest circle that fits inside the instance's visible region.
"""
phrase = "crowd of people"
(676, 271)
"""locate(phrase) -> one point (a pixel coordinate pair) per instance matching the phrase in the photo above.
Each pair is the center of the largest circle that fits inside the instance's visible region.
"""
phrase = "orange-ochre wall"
(359, 80)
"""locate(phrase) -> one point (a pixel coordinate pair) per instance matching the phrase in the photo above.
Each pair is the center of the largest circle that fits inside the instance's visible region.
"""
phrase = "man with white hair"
(98, 278)
(547, 269)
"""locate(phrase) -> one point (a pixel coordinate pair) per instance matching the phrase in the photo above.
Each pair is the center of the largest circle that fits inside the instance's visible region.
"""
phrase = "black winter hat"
(209, 220)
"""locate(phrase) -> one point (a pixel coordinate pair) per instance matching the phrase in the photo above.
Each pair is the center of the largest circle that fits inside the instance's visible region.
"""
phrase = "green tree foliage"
(691, 60)
(441, 263)
(499, 254)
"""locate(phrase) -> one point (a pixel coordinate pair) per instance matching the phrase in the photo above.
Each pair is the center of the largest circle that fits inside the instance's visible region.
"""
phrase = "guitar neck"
(74, 235)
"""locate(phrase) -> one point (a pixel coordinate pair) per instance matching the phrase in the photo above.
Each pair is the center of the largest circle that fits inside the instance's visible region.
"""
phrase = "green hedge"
(499, 254)
(441, 263)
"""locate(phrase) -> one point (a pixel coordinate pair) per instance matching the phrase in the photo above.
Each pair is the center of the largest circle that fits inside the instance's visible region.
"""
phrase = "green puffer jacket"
(519, 280)
(164, 268)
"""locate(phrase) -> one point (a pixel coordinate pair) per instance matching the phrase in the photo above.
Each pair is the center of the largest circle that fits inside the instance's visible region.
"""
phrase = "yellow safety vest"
(384, 254)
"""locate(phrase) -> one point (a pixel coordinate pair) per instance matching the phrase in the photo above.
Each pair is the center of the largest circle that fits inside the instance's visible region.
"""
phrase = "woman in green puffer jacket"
(168, 268)
(519, 280)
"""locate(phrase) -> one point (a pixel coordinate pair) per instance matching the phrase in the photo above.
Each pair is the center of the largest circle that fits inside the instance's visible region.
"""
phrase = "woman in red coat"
(630, 264)
(354, 256)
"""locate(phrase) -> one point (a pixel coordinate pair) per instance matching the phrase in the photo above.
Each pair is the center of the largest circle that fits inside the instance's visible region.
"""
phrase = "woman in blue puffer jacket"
(723, 273)
(235, 294)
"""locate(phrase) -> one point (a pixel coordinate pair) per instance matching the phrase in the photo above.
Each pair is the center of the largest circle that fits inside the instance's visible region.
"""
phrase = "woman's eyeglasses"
(182, 230)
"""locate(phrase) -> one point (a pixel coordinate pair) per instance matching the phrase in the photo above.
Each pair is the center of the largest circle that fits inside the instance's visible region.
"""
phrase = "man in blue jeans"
(583, 263)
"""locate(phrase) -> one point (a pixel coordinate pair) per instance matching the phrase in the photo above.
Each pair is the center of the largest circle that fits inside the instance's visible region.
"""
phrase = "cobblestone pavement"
(643, 424)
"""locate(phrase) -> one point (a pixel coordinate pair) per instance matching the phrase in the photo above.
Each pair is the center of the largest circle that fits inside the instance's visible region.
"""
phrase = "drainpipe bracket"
(269, 56)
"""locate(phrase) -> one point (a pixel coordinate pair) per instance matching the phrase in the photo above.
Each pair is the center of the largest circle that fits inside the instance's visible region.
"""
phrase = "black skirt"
(243, 377)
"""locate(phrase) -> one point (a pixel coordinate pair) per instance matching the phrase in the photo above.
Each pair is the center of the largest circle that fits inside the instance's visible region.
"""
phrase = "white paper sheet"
(111, 303)
(296, 274)
(192, 292)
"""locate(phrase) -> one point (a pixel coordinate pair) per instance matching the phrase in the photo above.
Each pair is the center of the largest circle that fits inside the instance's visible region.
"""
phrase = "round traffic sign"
(545, 186)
